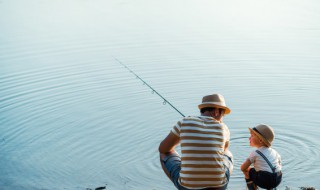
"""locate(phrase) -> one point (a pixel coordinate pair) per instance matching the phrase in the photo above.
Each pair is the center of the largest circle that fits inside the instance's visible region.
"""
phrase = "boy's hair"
(202, 110)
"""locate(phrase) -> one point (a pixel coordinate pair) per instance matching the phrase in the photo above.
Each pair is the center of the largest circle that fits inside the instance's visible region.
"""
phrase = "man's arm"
(169, 143)
(166, 147)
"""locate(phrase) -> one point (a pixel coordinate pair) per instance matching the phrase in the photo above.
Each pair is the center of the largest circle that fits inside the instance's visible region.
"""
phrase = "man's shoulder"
(192, 118)
(202, 118)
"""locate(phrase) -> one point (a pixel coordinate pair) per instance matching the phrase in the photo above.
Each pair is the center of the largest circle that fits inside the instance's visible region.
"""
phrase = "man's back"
(202, 147)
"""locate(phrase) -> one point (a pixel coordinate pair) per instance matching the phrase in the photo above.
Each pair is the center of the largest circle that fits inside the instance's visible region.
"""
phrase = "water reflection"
(71, 117)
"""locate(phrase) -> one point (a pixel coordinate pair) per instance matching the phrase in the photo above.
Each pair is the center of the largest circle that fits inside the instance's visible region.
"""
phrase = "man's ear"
(216, 112)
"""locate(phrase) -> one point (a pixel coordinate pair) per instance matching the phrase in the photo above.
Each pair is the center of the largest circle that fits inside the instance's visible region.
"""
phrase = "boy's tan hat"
(264, 133)
(214, 100)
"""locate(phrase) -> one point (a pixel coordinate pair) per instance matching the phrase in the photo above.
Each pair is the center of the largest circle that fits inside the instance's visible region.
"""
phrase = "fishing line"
(145, 83)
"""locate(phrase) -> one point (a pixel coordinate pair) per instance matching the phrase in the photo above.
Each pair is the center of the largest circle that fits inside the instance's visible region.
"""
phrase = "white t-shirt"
(259, 162)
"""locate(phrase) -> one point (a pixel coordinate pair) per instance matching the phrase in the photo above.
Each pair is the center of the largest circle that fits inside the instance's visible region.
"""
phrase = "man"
(205, 162)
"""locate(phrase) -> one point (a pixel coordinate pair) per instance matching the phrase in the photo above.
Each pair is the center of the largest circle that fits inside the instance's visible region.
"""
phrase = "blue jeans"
(172, 163)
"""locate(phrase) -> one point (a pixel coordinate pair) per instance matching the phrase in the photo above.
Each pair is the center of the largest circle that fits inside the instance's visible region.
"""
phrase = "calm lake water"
(72, 117)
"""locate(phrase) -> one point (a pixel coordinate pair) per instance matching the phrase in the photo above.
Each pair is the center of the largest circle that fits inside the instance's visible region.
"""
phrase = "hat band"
(256, 130)
(216, 103)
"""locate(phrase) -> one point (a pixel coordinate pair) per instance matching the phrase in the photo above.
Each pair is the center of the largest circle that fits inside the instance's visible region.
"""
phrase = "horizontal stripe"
(209, 159)
(203, 169)
(198, 130)
(202, 138)
(201, 166)
(204, 181)
(216, 158)
(206, 142)
(174, 131)
(201, 185)
(213, 136)
(217, 172)
(201, 145)
(199, 152)
(201, 119)
(210, 121)
(202, 125)
(201, 162)
(201, 155)
(187, 176)
(216, 133)
(216, 149)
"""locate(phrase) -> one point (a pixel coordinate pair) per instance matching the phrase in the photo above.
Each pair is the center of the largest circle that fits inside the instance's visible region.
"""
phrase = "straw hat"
(264, 133)
(214, 100)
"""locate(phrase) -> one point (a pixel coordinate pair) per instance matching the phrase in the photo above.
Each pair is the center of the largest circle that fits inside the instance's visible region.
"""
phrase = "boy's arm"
(245, 167)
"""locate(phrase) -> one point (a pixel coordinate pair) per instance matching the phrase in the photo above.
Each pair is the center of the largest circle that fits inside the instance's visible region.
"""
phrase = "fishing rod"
(145, 83)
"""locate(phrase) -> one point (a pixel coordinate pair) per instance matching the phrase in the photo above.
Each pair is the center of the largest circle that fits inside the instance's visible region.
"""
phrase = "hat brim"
(227, 110)
(267, 143)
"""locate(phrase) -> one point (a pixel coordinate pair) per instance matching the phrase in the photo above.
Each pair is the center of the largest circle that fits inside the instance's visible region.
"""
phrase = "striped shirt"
(202, 142)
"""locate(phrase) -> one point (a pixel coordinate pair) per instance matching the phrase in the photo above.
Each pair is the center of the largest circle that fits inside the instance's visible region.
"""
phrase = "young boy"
(266, 170)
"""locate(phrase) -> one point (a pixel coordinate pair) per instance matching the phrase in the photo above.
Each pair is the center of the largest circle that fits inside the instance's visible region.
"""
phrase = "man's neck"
(206, 114)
